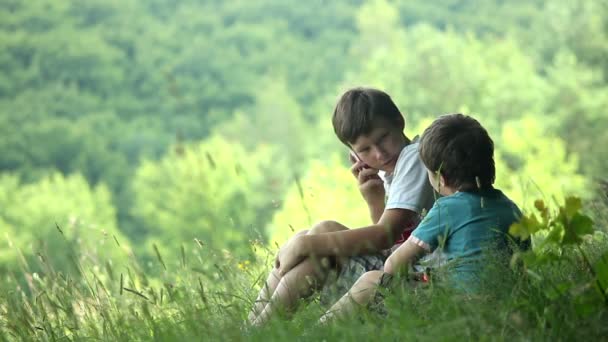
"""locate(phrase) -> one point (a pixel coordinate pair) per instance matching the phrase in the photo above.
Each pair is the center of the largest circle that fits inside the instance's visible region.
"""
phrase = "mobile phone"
(355, 158)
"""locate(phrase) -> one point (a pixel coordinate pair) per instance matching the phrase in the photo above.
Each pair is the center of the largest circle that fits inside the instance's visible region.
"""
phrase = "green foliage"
(431, 70)
(209, 295)
(525, 107)
(264, 123)
(109, 107)
(93, 88)
(213, 191)
(532, 163)
(579, 98)
(56, 214)
(327, 192)
(559, 233)
(567, 227)
(119, 302)
(159, 73)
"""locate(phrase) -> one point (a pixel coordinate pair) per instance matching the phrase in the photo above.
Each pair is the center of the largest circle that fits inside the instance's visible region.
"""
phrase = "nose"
(381, 153)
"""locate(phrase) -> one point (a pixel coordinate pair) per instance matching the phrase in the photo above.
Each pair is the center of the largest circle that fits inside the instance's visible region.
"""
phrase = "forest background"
(143, 130)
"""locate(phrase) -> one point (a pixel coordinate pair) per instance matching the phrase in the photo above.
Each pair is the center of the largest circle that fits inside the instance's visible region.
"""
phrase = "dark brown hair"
(460, 149)
(359, 109)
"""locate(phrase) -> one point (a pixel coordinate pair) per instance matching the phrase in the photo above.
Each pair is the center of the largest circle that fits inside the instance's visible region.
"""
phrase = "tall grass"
(203, 294)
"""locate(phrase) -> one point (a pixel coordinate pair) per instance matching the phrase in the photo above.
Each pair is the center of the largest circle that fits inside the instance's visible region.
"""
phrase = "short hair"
(359, 109)
(460, 149)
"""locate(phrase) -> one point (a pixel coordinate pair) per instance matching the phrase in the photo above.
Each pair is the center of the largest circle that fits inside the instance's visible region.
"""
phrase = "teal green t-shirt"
(463, 225)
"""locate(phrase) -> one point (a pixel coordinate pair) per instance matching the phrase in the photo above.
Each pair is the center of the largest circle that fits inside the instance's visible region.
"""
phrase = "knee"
(371, 278)
(301, 232)
(389, 265)
(298, 282)
(327, 226)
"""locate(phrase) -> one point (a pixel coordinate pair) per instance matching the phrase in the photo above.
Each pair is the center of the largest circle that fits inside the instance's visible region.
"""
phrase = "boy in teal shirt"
(472, 217)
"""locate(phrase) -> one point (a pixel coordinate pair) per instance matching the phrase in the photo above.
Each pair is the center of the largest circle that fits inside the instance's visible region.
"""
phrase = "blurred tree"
(58, 218)
(431, 72)
(576, 105)
(275, 118)
(483, 17)
(93, 88)
(533, 163)
(158, 72)
(214, 191)
(444, 71)
(571, 58)
(326, 192)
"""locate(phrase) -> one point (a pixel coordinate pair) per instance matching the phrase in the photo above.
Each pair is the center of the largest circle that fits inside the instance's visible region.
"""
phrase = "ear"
(442, 181)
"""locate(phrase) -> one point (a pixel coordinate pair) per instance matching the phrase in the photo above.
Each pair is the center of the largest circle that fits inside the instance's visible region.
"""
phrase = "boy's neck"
(448, 190)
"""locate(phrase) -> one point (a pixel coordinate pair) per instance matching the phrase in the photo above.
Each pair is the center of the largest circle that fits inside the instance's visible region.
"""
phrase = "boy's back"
(466, 225)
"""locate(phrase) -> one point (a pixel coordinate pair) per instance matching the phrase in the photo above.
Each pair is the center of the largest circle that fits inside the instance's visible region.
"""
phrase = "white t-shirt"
(408, 186)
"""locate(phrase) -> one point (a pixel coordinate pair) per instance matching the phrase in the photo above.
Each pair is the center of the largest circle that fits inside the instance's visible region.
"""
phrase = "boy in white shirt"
(394, 183)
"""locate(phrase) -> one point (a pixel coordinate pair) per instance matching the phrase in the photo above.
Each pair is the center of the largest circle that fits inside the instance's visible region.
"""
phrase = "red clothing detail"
(407, 231)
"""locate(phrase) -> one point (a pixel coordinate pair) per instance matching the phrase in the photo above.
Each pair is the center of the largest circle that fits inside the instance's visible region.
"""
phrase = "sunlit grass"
(206, 295)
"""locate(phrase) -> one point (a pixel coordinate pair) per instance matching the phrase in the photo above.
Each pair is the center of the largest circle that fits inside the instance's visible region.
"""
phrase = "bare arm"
(371, 187)
(406, 254)
(376, 212)
(364, 240)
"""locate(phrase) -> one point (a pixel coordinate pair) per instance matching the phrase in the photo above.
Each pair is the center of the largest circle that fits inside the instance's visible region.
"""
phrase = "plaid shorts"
(339, 283)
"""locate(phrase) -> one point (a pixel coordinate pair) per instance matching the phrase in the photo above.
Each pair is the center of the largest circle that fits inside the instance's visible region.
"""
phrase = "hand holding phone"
(370, 183)
(354, 158)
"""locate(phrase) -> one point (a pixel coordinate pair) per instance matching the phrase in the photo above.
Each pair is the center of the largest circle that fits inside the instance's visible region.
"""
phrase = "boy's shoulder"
(408, 186)
(491, 200)
(409, 155)
(411, 149)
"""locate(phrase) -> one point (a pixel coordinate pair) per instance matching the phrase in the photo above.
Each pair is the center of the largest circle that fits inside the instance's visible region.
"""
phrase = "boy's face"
(381, 147)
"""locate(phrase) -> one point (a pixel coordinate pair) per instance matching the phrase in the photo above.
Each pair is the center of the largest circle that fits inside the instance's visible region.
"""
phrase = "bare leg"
(268, 289)
(303, 278)
(265, 293)
(296, 284)
(359, 295)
